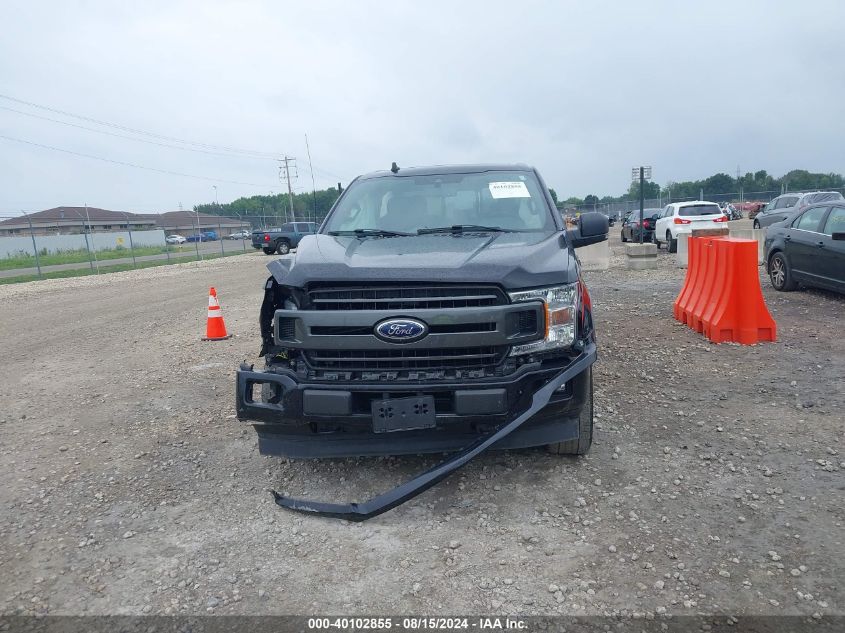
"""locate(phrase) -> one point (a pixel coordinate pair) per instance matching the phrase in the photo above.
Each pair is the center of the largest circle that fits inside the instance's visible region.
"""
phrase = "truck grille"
(471, 329)
(406, 297)
(407, 359)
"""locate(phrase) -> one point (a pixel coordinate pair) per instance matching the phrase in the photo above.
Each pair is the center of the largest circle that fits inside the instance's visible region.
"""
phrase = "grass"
(116, 268)
(77, 256)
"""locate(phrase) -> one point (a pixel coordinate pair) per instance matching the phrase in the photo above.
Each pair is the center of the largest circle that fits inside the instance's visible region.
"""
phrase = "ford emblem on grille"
(400, 330)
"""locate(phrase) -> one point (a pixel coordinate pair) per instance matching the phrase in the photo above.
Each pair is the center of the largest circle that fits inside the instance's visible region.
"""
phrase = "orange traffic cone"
(215, 330)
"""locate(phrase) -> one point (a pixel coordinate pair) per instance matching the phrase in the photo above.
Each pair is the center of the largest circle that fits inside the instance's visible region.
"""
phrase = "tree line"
(751, 183)
(313, 207)
(275, 209)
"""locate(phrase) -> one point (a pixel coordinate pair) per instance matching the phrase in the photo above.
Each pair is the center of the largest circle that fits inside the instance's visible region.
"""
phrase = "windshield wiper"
(463, 228)
(369, 233)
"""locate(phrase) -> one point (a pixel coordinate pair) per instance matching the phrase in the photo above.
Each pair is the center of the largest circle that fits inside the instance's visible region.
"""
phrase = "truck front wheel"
(581, 444)
(282, 247)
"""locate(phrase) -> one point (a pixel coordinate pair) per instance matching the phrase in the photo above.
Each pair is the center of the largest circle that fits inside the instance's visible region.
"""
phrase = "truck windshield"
(507, 200)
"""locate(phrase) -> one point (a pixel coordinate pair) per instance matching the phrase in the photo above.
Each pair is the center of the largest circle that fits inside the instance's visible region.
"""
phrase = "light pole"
(642, 174)
(216, 204)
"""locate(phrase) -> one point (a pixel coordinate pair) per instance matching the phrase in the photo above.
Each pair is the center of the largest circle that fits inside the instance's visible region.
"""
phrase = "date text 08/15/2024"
(419, 623)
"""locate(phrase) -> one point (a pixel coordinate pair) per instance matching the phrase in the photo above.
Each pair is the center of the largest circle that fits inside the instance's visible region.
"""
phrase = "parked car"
(438, 309)
(808, 248)
(196, 237)
(786, 205)
(751, 208)
(682, 217)
(283, 239)
(238, 235)
(631, 225)
(175, 239)
(209, 236)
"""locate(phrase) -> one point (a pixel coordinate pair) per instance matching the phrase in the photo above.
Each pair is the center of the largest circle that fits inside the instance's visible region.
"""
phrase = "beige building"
(75, 220)
(187, 223)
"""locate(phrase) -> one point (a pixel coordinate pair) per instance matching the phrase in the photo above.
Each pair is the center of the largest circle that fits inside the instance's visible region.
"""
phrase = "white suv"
(683, 217)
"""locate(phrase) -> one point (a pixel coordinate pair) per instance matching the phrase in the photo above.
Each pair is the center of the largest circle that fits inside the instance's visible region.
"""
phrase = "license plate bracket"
(403, 414)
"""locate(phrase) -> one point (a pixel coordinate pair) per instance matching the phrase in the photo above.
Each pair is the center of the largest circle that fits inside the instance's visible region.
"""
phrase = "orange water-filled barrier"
(721, 296)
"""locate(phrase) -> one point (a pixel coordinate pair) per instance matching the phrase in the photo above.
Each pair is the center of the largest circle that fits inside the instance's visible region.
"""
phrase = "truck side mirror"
(592, 228)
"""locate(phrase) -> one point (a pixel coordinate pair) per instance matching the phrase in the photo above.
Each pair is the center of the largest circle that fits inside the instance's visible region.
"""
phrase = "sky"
(581, 90)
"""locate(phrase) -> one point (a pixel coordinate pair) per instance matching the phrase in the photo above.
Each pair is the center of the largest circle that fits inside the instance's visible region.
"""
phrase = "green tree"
(650, 189)
(591, 200)
(553, 194)
(720, 184)
(275, 209)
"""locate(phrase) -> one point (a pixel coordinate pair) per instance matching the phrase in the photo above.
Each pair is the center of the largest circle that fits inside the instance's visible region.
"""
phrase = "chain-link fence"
(77, 244)
(262, 222)
(740, 199)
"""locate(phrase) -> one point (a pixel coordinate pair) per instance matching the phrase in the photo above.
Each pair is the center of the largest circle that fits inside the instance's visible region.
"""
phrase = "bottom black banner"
(527, 624)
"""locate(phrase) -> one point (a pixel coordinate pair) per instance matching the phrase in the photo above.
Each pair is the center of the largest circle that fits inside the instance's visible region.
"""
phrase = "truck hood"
(513, 260)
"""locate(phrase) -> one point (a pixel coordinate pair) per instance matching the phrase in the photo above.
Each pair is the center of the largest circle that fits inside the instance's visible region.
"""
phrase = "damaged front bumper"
(249, 408)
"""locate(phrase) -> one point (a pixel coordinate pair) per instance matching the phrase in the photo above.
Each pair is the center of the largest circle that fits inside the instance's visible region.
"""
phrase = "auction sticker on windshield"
(509, 190)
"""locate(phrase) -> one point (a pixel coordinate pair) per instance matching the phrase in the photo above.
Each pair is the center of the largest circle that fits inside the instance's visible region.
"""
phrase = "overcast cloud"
(581, 90)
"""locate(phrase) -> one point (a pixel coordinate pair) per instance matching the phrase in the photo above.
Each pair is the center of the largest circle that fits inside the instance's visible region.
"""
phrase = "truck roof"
(434, 170)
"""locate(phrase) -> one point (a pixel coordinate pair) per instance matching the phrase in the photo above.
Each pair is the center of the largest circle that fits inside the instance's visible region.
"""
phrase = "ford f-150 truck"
(436, 309)
(282, 239)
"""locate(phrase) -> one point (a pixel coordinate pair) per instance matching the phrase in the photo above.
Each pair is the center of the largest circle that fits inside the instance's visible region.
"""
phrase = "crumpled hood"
(514, 260)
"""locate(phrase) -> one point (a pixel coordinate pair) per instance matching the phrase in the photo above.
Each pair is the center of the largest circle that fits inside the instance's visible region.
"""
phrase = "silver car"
(783, 206)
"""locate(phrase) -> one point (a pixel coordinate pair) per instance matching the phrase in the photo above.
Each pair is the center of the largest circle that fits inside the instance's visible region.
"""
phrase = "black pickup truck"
(282, 239)
(437, 309)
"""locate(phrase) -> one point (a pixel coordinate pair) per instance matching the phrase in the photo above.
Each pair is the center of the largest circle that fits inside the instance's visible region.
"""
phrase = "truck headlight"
(560, 306)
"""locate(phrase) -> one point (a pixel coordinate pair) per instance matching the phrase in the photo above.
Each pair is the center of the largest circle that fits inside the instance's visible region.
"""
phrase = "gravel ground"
(715, 483)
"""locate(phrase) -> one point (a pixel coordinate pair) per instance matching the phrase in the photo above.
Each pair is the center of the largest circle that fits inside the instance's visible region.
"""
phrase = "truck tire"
(622, 235)
(268, 251)
(580, 445)
(283, 247)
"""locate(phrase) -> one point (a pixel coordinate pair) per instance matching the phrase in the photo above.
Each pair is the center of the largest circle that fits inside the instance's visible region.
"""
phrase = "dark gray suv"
(784, 206)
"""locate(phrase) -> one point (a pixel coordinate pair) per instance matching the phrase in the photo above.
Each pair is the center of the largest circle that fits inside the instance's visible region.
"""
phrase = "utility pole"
(289, 160)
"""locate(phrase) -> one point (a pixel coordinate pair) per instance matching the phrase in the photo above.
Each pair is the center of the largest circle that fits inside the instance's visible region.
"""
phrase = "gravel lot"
(715, 483)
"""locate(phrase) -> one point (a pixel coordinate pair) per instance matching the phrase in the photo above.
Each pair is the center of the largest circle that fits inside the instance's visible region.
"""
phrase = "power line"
(132, 138)
(204, 147)
(118, 162)
(328, 173)
(137, 131)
